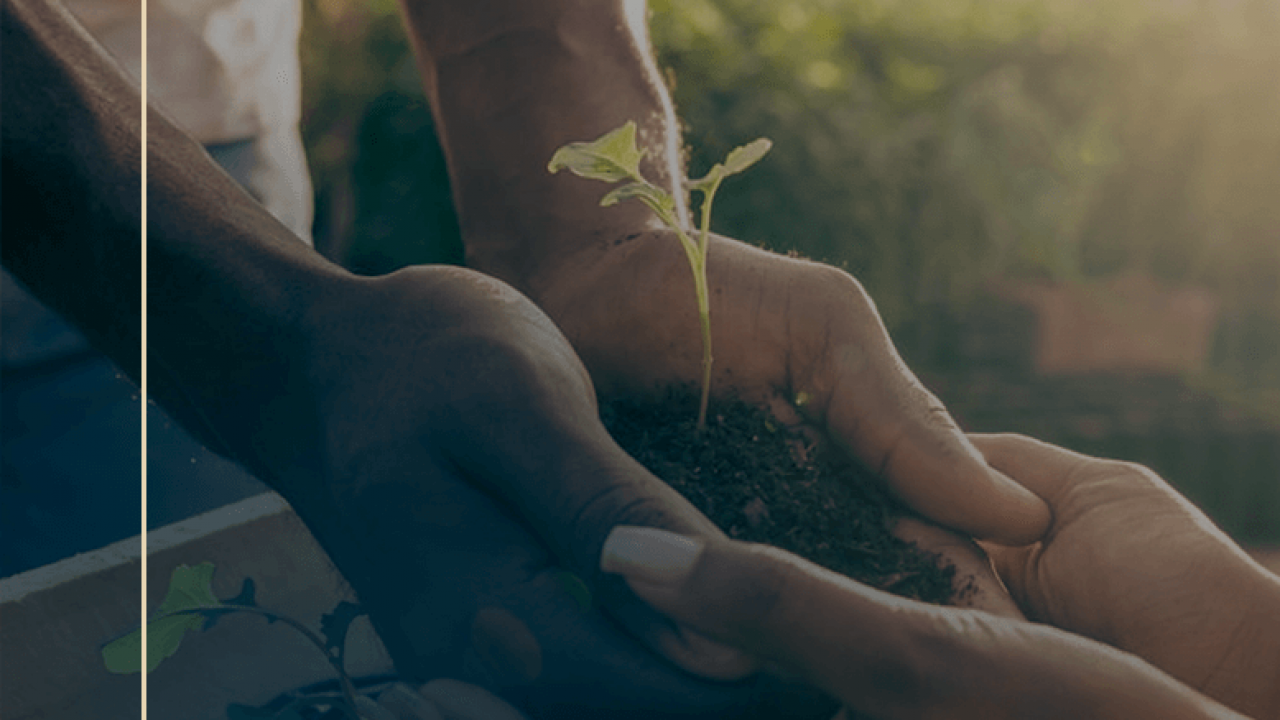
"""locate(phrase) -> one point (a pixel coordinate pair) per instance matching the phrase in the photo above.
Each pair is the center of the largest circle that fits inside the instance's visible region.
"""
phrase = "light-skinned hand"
(1130, 562)
(885, 657)
(510, 81)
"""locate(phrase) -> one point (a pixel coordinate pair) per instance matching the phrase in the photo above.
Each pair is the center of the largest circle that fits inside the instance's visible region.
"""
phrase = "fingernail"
(649, 554)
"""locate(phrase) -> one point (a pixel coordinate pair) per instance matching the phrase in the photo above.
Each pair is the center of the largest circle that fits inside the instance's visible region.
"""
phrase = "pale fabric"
(225, 71)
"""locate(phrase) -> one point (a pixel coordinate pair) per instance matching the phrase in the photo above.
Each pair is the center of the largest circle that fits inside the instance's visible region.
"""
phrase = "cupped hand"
(465, 485)
(885, 657)
(1130, 562)
(804, 338)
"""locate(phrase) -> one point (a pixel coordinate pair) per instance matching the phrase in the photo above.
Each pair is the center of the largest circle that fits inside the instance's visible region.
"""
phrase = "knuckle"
(631, 499)
(841, 288)
(617, 503)
(761, 583)
(936, 415)
(1138, 475)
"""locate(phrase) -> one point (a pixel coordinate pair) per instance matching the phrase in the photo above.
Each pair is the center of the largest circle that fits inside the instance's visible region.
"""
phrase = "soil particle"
(763, 483)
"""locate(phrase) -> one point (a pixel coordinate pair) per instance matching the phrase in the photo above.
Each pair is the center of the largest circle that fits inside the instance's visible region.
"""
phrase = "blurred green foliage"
(382, 189)
(928, 146)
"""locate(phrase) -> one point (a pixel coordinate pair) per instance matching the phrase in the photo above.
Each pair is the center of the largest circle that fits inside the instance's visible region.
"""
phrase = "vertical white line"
(142, 394)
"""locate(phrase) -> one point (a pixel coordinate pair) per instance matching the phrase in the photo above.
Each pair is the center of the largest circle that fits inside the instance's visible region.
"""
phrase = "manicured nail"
(649, 554)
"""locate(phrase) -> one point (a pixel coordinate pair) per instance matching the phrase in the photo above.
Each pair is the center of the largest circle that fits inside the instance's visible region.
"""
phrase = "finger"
(773, 604)
(1015, 567)
(458, 700)
(867, 399)
(900, 429)
(885, 656)
(406, 704)
(975, 583)
(1044, 469)
(533, 438)
(521, 421)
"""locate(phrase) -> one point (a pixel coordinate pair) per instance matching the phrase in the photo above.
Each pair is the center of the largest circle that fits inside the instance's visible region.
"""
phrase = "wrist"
(511, 82)
(1246, 678)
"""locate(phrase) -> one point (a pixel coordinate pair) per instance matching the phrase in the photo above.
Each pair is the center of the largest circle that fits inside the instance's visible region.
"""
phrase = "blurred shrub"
(382, 190)
(926, 145)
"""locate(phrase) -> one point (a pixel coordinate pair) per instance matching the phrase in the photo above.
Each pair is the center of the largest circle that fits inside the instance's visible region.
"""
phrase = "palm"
(1147, 544)
(786, 329)
(1125, 562)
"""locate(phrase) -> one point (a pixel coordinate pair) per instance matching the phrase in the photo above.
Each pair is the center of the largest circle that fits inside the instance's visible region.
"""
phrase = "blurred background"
(1067, 211)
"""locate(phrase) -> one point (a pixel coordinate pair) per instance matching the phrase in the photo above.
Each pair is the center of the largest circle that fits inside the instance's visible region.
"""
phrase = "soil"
(763, 483)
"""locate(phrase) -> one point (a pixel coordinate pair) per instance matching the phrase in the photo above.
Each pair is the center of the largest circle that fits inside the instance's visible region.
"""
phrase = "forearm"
(71, 183)
(229, 288)
(235, 304)
(510, 81)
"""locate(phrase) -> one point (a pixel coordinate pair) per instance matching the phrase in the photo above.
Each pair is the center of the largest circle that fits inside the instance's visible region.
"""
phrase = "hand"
(883, 656)
(781, 327)
(461, 441)
(433, 428)
(439, 699)
(510, 82)
(458, 470)
(785, 328)
(1130, 562)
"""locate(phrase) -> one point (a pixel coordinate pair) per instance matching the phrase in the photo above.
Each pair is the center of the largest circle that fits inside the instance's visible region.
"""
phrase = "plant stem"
(704, 316)
(698, 266)
(344, 680)
(704, 301)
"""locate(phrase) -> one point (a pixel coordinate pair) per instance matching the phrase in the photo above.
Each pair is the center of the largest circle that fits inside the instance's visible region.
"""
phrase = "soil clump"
(763, 483)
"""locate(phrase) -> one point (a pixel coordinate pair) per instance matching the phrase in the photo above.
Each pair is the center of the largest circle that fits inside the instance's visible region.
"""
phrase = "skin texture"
(1130, 562)
(886, 657)
(510, 82)
(433, 428)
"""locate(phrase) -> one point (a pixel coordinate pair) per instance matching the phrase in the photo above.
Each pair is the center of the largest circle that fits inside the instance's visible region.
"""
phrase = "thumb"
(773, 605)
(882, 413)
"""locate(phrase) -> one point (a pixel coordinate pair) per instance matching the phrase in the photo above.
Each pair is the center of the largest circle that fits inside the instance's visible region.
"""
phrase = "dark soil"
(762, 483)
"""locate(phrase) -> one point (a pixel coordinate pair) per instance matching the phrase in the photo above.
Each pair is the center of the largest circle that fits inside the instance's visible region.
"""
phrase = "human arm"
(509, 83)
(432, 427)
(1130, 562)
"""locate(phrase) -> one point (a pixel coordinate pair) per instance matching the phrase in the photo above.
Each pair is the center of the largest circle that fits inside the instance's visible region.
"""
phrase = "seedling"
(190, 605)
(614, 157)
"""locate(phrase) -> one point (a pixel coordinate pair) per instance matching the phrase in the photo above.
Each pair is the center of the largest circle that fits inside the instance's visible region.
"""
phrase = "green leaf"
(189, 589)
(612, 157)
(736, 161)
(741, 158)
(657, 199)
(642, 191)
(705, 183)
(124, 655)
(164, 635)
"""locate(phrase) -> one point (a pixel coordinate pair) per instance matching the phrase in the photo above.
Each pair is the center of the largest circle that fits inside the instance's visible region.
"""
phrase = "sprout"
(613, 158)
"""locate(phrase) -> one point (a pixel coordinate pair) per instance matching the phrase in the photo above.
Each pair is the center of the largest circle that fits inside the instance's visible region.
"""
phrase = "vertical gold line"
(143, 373)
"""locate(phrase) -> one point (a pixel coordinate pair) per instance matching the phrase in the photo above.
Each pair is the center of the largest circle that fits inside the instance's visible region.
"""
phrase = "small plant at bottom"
(614, 157)
(190, 605)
